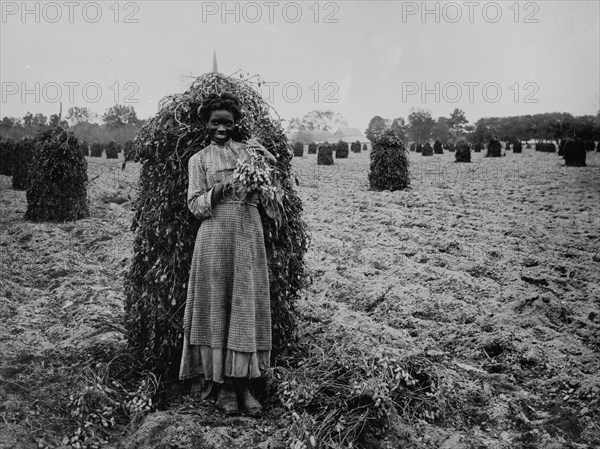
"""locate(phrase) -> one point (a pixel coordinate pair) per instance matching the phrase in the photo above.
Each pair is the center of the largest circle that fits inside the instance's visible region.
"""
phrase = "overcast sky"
(358, 58)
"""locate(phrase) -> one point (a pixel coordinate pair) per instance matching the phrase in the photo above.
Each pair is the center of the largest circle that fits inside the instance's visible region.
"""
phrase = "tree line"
(547, 127)
(119, 124)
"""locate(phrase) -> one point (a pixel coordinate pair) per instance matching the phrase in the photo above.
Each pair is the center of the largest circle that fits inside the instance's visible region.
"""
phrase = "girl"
(227, 320)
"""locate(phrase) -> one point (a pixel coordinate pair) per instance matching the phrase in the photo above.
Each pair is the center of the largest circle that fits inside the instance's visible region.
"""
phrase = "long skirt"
(227, 320)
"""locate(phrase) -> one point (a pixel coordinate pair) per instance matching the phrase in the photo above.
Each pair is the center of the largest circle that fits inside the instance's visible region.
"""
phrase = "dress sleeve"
(199, 194)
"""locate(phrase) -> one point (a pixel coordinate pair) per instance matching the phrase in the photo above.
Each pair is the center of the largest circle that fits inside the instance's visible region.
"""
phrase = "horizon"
(97, 118)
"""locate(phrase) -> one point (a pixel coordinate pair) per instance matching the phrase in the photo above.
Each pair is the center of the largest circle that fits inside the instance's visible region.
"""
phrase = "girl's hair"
(220, 102)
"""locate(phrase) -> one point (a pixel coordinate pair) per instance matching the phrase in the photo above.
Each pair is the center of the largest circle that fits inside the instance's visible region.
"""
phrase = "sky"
(357, 58)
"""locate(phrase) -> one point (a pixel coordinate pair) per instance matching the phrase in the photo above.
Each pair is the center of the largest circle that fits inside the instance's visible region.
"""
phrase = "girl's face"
(220, 126)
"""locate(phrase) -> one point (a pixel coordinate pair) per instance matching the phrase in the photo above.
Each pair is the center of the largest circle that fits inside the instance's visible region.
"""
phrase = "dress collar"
(226, 144)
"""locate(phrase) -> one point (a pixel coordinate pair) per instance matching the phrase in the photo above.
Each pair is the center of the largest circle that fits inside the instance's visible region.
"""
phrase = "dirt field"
(488, 269)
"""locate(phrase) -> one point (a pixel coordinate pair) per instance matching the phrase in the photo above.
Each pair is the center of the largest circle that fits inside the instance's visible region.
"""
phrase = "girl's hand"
(222, 187)
(228, 184)
(255, 145)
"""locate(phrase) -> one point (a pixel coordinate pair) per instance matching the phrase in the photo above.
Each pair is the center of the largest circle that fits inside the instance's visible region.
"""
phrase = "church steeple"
(214, 69)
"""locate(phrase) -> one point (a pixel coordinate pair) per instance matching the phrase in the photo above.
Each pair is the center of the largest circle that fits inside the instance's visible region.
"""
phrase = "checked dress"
(227, 319)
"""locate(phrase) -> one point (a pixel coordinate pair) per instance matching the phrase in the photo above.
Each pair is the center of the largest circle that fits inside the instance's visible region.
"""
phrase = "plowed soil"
(490, 269)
